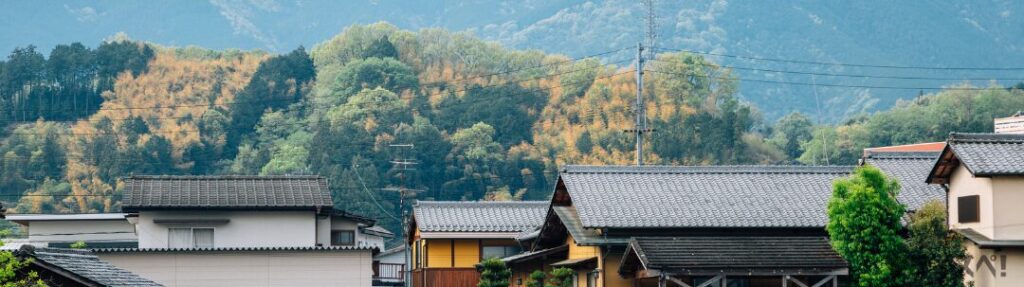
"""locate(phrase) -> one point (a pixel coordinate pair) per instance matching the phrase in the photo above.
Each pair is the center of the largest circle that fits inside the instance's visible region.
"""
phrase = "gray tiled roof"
(911, 169)
(237, 192)
(479, 216)
(674, 254)
(583, 236)
(85, 264)
(711, 196)
(989, 154)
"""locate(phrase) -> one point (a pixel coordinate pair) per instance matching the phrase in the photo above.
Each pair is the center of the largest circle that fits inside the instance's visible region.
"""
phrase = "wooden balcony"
(445, 277)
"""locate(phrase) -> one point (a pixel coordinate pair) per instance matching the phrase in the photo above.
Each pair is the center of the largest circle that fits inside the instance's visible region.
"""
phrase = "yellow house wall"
(1008, 218)
(963, 183)
(610, 272)
(467, 252)
(1005, 274)
(439, 253)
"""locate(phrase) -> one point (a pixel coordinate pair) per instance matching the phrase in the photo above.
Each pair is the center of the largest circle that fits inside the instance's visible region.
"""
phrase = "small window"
(190, 238)
(343, 237)
(499, 251)
(969, 209)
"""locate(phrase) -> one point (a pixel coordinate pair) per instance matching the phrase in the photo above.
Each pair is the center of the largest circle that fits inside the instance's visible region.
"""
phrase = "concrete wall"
(245, 229)
(84, 230)
(1006, 268)
(1008, 197)
(963, 183)
(293, 268)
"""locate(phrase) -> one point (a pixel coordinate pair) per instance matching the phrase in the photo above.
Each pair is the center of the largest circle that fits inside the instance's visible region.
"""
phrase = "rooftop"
(479, 216)
(700, 196)
(983, 154)
(84, 264)
(911, 169)
(225, 192)
(731, 254)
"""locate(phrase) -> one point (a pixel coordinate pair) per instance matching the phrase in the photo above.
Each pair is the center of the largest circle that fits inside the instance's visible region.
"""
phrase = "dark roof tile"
(911, 169)
(672, 254)
(704, 196)
(236, 192)
(85, 264)
(987, 154)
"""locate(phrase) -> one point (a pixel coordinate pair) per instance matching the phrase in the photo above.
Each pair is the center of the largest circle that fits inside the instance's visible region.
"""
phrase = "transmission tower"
(640, 120)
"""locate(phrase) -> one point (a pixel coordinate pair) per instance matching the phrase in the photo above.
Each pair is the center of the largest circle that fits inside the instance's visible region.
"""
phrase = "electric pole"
(640, 122)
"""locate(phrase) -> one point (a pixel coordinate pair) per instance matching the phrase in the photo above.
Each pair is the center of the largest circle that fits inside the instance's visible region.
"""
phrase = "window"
(499, 251)
(968, 207)
(343, 237)
(190, 237)
(592, 279)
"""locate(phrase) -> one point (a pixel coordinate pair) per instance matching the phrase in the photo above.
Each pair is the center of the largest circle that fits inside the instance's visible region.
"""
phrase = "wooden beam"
(797, 282)
(677, 281)
(825, 280)
(713, 280)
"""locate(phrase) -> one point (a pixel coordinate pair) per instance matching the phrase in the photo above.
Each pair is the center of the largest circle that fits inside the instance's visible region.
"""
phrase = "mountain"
(961, 33)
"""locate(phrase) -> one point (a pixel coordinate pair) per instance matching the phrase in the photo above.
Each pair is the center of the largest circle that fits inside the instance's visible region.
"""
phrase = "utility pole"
(640, 122)
(402, 163)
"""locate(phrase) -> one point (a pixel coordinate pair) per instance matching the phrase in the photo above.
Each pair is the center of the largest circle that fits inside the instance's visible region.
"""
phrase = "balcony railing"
(389, 271)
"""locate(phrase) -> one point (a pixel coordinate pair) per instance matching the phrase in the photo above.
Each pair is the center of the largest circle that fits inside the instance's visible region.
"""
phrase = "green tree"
(382, 48)
(369, 73)
(560, 277)
(79, 245)
(536, 279)
(790, 132)
(864, 227)
(494, 273)
(584, 144)
(934, 250)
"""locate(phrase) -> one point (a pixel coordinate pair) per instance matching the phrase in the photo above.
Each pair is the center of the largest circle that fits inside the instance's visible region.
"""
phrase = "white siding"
(244, 229)
(81, 230)
(281, 268)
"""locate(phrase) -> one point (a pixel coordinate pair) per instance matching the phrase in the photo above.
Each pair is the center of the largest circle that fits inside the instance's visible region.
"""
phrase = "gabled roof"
(731, 254)
(983, 154)
(225, 192)
(478, 216)
(687, 196)
(83, 266)
(911, 169)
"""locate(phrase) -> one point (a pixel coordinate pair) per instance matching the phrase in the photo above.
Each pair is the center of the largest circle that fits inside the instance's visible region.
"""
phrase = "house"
(983, 176)
(390, 266)
(101, 230)
(688, 226)
(243, 230)
(450, 238)
(76, 267)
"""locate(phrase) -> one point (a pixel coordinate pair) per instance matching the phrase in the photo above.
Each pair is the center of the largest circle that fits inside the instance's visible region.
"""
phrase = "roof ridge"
(930, 155)
(956, 137)
(668, 169)
(454, 202)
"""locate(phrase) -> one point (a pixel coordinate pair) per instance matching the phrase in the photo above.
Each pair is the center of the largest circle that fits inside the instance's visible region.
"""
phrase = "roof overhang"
(24, 219)
(643, 263)
(944, 167)
(984, 242)
(556, 252)
(577, 263)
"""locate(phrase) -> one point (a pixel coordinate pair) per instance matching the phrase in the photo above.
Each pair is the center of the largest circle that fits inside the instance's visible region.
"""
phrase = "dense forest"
(479, 121)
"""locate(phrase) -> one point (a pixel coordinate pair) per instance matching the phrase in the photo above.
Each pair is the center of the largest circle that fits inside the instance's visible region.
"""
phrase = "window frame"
(338, 231)
(192, 236)
(963, 215)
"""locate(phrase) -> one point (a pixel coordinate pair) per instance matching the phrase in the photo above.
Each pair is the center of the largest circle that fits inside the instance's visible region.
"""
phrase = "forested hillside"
(480, 121)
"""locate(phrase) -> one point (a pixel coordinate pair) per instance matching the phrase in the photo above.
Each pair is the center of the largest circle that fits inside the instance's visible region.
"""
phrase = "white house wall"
(81, 230)
(963, 183)
(276, 268)
(245, 228)
(1008, 195)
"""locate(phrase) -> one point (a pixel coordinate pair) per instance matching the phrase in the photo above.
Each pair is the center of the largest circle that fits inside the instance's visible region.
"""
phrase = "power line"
(814, 84)
(846, 75)
(840, 63)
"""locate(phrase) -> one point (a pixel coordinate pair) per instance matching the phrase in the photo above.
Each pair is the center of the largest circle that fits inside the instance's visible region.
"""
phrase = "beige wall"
(245, 229)
(296, 268)
(1005, 274)
(1008, 200)
(610, 273)
(963, 183)
(84, 230)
